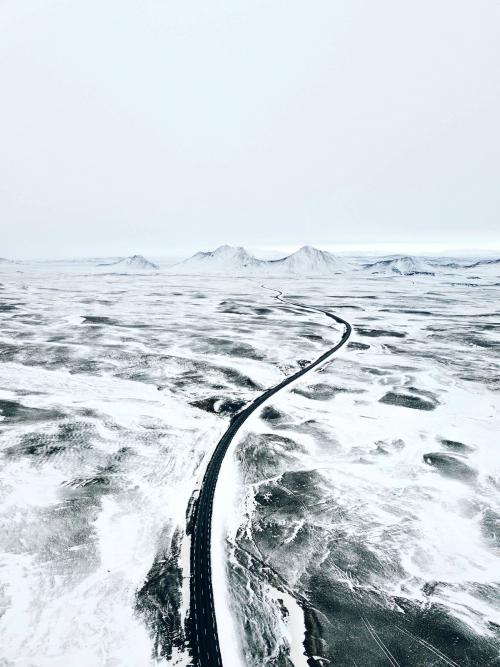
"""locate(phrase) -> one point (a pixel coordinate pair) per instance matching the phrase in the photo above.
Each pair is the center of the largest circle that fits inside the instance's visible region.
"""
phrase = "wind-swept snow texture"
(368, 498)
(359, 514)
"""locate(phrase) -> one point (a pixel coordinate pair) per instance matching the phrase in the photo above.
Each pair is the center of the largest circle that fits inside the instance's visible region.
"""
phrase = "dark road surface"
(206, 652)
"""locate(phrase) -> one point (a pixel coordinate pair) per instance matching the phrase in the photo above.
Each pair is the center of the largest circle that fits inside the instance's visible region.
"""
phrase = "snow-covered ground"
(358, 511)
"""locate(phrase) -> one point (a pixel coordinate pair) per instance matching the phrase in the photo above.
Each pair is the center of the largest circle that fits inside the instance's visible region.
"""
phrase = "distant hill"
(487, 263)
(484, 263)
(308, 261)
(134, 262)
(225, 259)
(231, 260)
(403, 266)
(484, 268)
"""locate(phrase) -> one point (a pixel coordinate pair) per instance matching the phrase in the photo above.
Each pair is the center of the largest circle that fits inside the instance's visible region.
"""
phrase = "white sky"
(158, 126)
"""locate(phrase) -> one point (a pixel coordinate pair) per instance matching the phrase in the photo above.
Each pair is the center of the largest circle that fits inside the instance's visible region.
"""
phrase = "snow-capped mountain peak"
(224, 259)
(309, 261)
(236, 260)
(227, 252)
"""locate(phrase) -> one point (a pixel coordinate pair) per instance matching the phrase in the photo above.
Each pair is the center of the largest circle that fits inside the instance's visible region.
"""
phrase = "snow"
(226, 516)
(110, 372)
(406, 266)
(308, 261)
(237, 261)
(485, 268)
(403, 527)
(134, 262)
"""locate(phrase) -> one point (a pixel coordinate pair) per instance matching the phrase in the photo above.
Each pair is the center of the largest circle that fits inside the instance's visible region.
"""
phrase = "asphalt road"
(205, 641)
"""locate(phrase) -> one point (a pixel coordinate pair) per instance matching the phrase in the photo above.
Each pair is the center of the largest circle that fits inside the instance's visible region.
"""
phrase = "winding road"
(205, 641)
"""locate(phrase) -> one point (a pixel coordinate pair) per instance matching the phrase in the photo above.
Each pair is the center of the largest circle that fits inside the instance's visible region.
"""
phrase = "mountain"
(237, 261)
(225, 259)
(134, 262)
(308, 261)
(403, 266)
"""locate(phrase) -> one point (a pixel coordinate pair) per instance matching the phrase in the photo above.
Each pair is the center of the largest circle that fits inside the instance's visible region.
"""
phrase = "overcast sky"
(164, 126)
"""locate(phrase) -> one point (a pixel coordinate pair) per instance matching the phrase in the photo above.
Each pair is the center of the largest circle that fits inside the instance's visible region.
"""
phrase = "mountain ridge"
(229, 259)
(403, 266)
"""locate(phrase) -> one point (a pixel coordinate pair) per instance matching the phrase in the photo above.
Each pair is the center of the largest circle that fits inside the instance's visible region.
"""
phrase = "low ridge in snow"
(484, 268)
(485, 264)
(488, 261)
(403, 266)
(236, 261)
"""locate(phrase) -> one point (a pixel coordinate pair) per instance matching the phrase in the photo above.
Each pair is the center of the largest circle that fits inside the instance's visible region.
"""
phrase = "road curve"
(204, 638)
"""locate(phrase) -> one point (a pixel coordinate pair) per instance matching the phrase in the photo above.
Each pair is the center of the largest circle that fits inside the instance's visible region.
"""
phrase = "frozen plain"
(358, 511)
